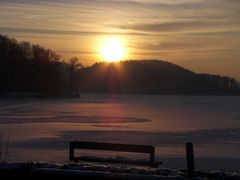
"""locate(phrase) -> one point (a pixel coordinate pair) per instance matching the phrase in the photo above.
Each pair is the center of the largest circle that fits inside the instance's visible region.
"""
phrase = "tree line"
(28, 68)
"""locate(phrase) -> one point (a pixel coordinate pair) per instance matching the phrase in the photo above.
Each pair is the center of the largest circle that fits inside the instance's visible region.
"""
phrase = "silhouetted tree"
(74, 67)
(32, 68)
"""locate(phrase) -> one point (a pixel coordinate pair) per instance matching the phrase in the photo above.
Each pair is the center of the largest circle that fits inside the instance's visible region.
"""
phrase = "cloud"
(67, 118)
(63, 32)
(170, 46)
(195, 45)
(175, 26)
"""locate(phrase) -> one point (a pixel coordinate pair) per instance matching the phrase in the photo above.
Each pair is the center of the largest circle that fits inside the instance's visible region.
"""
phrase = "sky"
(200, 35)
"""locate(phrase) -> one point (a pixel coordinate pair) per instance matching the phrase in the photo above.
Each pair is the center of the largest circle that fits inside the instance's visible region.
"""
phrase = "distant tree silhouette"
(74, 67)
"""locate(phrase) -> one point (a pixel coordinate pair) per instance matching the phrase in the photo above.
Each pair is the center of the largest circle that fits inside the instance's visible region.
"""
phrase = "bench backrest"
(111, 147)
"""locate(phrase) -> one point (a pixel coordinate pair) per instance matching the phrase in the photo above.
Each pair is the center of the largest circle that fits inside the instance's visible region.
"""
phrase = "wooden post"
(152, 156)
(71, 151)
(190, 160)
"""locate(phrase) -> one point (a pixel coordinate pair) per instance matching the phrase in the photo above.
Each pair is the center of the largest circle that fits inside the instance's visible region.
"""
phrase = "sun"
(112, 50)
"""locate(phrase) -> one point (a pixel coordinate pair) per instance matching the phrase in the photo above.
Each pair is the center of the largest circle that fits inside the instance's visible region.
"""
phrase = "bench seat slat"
(113, 147)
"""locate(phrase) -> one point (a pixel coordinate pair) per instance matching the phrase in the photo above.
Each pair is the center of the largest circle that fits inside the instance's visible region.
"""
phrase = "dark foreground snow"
(42, 170)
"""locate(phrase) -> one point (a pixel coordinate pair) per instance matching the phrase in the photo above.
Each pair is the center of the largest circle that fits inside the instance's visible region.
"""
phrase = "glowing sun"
(112, 50)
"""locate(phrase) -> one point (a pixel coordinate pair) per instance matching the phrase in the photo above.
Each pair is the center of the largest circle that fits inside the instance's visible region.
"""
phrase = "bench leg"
(71, 152)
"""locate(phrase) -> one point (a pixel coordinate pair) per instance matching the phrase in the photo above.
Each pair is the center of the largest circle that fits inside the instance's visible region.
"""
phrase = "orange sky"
(200, 35)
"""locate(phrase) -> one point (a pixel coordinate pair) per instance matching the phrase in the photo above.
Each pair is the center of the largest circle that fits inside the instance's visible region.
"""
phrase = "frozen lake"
(40, 129)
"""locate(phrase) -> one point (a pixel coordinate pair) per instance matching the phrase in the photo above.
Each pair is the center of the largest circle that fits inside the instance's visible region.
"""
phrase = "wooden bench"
(113, 147)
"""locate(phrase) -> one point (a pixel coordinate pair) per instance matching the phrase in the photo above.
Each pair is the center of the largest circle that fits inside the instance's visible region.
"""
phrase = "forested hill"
(27, 68)
(152, 77)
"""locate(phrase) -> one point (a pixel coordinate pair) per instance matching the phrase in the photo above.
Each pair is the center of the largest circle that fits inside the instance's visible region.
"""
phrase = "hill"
(152, 77)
